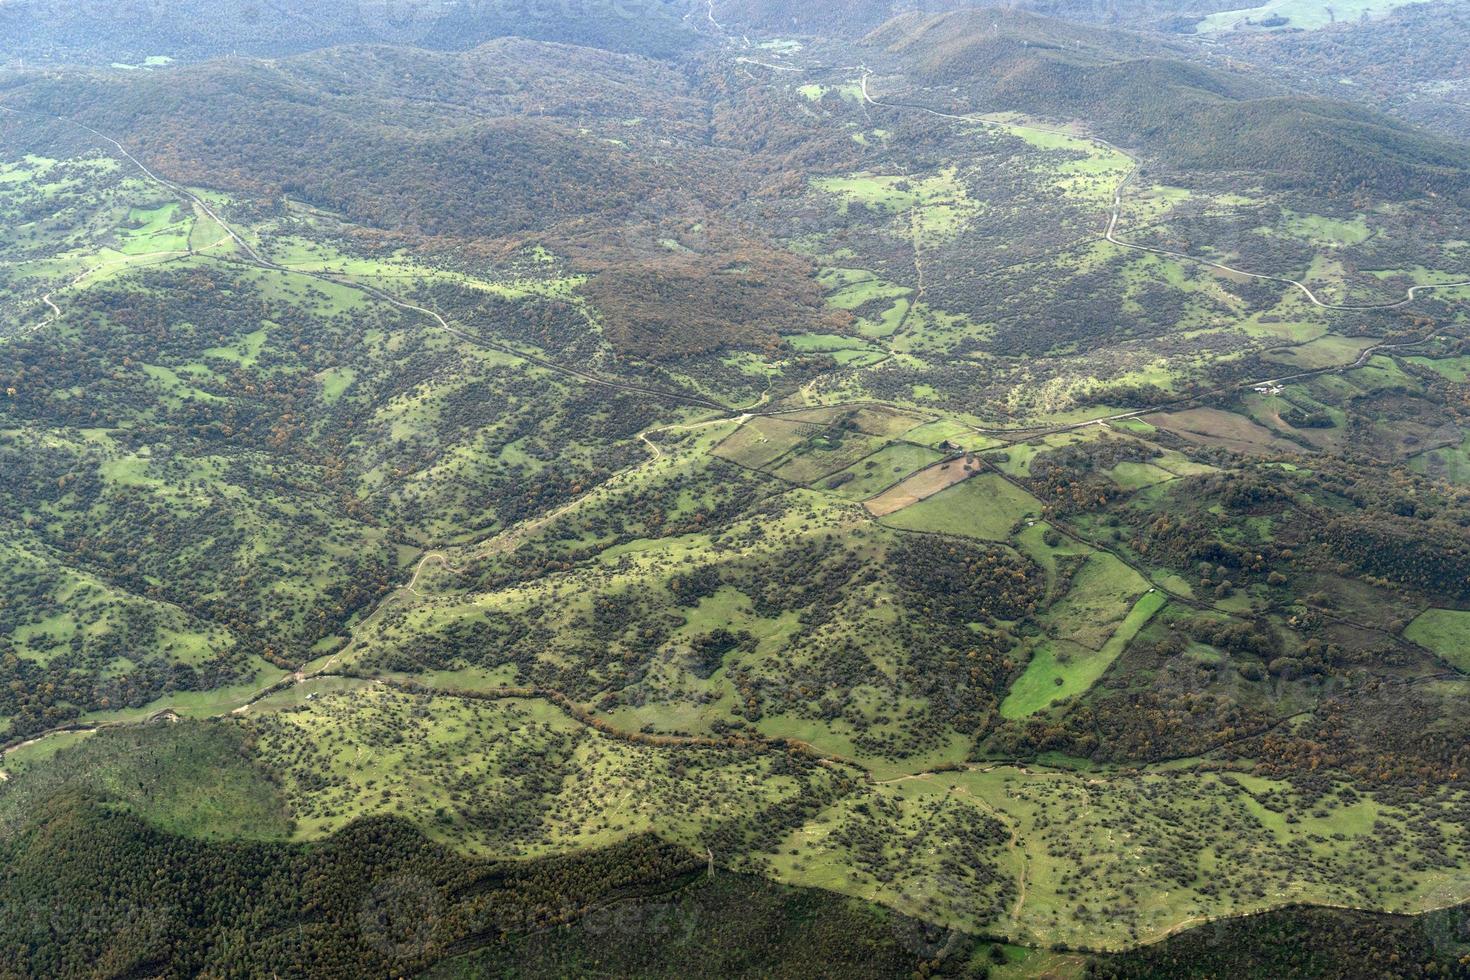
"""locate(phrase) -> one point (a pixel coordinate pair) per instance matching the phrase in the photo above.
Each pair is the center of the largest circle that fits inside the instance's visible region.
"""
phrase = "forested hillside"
(421, 143)
(1193, 118)
(131, 31)
(1412, 64)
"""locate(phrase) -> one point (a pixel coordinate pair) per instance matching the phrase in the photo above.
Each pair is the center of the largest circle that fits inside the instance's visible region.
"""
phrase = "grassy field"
(853, 447)
(948, 430)
(762, 441)
(921, 486)
(1061, 669)
(1136, 476)
(848, 92)
(939, 201)
(1100, 596)
(1299, 14)
(888, 466)
(874, 420)
(1451, 463)
(1446, 632)
(846, 351)
(1015, 459)
(160, 229)
(1322, 353)
(1455, 369)
(1215, 427)
(1091, 173)
(1329, 231)
(825, 453)
(984, 506)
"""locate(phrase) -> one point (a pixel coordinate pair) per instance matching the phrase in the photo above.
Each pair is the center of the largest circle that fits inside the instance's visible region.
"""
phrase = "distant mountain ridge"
(852, 18)
(479, 143)
(1192, 117)
(128, 31)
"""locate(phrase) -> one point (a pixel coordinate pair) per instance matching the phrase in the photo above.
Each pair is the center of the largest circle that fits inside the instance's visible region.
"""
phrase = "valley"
(925, 478)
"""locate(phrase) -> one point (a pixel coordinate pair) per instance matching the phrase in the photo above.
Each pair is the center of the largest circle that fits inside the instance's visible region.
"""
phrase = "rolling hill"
(131, 31)
(751, 487)
(359, 132)
(1190, 116)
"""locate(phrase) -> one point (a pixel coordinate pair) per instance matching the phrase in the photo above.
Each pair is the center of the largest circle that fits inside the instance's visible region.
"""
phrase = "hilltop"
(131, 31)
(1192, 117)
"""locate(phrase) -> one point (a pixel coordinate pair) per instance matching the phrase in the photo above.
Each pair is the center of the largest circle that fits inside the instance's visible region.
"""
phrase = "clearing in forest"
(1214, 427)
(1446, 632)
(921, 486)
(985, 507)
(1060, 669)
